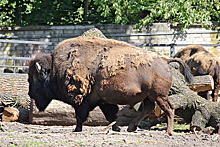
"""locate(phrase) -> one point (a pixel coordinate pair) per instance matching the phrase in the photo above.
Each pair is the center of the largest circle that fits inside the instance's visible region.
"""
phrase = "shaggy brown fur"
(202, 62)
(82, 64)
(90, 71)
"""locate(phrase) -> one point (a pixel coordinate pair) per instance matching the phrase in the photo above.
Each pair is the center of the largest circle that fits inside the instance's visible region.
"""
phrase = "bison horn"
(38, 67)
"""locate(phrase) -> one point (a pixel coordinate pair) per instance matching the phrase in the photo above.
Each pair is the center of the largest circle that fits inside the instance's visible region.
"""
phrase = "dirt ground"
(19, 134)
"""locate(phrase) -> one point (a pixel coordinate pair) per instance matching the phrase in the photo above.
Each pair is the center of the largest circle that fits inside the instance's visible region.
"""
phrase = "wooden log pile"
(195, 110)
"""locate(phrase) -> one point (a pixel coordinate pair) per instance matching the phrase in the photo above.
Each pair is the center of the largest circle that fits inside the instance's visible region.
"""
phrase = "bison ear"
(38, 67)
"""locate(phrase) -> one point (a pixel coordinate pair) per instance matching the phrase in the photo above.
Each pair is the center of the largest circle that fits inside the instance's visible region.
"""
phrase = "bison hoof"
(132, 128)
(77, 130)
(116, 128)
(168, 134)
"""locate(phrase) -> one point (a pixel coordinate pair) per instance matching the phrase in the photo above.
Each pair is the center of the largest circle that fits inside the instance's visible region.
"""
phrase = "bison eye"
(43, 74)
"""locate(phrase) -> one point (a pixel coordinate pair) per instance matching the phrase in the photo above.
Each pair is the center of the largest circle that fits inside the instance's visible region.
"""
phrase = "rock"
(94, 32)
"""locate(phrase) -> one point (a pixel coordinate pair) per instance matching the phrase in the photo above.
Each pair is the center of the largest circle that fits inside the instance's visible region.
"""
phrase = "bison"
(202, 62)
(86, 72)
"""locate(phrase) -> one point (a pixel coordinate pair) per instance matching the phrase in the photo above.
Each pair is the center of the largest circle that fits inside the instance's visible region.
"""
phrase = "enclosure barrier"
(14, 66)
(12, 39)
(172, 46)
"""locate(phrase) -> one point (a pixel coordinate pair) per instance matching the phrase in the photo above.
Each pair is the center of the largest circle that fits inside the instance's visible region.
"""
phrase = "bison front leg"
(110, 111)
(147, 108)
(82, 112)
(168, 108)
(78, 125)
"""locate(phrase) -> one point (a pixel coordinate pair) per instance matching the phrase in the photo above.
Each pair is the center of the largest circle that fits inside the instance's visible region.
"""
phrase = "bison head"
(39, 80)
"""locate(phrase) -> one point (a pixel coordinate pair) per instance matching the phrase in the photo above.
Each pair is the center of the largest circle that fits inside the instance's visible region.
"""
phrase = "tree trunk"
(194, 109)
(202, 83)
(86, 6)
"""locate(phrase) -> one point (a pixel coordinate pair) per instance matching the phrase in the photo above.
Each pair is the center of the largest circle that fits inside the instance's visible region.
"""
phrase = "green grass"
(176, 126)
(79, 142)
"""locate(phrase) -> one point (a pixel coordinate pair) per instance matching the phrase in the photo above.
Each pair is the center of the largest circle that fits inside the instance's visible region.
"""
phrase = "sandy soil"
(18, 134)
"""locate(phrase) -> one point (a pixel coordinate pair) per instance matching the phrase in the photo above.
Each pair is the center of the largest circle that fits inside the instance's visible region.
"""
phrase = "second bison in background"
(202, 62)
(86, 72)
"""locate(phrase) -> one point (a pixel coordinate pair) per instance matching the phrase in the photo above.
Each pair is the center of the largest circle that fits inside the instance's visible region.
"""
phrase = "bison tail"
(188, 74)
(186, 70)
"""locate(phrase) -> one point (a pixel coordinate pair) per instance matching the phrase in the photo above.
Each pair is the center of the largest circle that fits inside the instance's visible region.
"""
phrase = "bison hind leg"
(204, 94)
(110, 111)
(215, 93)
(148, 106)
(168, 108)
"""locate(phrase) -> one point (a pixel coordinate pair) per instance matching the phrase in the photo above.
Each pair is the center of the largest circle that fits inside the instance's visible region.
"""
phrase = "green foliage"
(121, 11)
(141, 12)
(11, 11)
(52, 12)
(185, 12)
(38, 12)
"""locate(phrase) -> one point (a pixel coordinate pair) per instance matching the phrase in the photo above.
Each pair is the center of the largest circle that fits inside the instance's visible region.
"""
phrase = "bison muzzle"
(86, 72)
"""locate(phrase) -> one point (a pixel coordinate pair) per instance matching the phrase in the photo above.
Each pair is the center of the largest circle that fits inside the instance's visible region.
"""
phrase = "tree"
(122, 11)
(141, 12)
(40, 12)
(185, 12)
(11, 11)
(55, 12)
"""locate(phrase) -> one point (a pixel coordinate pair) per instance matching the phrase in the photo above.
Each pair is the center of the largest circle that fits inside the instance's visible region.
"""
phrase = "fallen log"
(202, 83)
(59, 113)
(14, 91)
(11, 114)
(195, 110)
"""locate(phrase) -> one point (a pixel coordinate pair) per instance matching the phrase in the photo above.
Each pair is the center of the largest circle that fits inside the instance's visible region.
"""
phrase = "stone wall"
(157, 33)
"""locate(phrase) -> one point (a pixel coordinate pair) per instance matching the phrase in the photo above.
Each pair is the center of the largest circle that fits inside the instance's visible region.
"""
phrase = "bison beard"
(86, 72)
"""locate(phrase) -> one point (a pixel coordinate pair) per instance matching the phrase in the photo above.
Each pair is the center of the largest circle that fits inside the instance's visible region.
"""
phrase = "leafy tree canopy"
(185, 12)
(140, 12)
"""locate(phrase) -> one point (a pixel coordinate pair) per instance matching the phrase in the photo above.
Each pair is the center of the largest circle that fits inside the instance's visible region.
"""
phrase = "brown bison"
(86, 72)
(202, 62)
